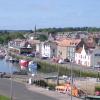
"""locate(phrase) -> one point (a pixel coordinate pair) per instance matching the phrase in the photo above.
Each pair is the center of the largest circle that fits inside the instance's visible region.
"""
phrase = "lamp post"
(58, 75)
(11, 83)
(71, 77)
(60, 53)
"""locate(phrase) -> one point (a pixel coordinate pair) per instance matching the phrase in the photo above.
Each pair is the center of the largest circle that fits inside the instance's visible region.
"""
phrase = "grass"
(4, 98)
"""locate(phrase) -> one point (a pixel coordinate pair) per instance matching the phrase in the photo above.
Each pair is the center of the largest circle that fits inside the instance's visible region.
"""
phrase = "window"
(53, 50)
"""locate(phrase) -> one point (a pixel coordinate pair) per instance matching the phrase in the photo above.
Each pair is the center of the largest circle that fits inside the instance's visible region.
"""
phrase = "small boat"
(7, 58)
(23, 64)
(13, 60)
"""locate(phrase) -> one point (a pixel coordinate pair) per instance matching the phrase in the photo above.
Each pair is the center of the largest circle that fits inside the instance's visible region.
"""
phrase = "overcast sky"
(24, 14)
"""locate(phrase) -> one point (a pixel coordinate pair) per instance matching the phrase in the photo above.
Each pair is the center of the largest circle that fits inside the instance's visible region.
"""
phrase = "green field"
(4, 98)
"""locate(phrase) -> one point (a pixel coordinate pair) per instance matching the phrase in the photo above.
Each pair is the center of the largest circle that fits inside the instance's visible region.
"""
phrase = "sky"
(25, 14)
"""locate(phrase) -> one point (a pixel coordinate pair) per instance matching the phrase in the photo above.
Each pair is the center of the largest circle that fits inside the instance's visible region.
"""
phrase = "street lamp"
(71, 77)
(57, 75)
(60, 53)
(11, 84)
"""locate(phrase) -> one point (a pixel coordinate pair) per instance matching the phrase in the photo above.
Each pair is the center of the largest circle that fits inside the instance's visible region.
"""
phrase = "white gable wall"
(83, 58)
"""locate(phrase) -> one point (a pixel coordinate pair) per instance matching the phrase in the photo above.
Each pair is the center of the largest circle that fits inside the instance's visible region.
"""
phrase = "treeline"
(14, 31)
(5, 36)
(69, 29)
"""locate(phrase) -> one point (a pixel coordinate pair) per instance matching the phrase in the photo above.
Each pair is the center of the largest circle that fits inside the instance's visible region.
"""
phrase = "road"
(20, 92)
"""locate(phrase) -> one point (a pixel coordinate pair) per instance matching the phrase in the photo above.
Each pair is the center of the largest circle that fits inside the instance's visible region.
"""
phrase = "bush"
(51, 86)
(97, 88)
(41, 83)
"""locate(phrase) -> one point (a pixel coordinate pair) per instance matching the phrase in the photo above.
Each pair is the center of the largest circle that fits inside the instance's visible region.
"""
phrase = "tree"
(42, 37)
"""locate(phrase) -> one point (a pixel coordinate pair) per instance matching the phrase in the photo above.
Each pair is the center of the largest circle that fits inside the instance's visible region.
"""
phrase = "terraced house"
(66, 48)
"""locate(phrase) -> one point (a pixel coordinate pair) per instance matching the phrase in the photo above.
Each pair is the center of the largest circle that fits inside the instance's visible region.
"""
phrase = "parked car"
(31, 55)
(66, 60)
(4, 75)
(44, 57)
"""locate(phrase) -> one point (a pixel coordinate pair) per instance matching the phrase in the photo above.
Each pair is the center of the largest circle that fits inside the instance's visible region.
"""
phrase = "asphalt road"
(20, 92)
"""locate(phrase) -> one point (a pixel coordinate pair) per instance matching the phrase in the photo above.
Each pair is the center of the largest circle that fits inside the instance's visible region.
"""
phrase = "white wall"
(83, 58)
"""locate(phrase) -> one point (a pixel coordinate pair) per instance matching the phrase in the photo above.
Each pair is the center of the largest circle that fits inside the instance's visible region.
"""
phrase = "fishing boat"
(23, 64)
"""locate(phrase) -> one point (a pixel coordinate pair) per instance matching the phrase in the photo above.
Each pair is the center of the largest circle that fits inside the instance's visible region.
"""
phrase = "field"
(4, 98)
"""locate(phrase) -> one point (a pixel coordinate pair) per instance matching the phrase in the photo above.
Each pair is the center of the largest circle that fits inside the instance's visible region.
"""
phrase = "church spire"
(35, 29)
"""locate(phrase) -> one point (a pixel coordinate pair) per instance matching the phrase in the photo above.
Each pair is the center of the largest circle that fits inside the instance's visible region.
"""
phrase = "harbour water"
(8, 66)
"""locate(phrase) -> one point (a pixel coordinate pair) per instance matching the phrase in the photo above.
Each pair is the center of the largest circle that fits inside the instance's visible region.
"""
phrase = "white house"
(88, 57)
(83, 57)
(45, 50)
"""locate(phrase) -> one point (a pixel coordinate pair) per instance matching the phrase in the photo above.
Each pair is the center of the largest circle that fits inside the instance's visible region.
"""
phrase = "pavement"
(53, 94)
(44, 91)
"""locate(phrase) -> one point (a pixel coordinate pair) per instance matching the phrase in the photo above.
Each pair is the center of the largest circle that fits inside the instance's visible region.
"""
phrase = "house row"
(85, 52)
(64, 48)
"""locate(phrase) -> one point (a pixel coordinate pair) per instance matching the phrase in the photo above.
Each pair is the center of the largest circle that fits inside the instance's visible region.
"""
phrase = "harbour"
(7, 67)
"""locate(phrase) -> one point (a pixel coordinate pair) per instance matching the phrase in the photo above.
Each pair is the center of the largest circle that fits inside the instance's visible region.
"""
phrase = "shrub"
(41, 83)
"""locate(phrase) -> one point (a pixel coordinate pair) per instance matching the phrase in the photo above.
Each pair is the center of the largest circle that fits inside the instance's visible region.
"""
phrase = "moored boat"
(23, 64)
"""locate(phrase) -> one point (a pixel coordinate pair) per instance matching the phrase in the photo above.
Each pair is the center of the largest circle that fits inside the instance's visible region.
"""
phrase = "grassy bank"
(4, 98)
(47, 67)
